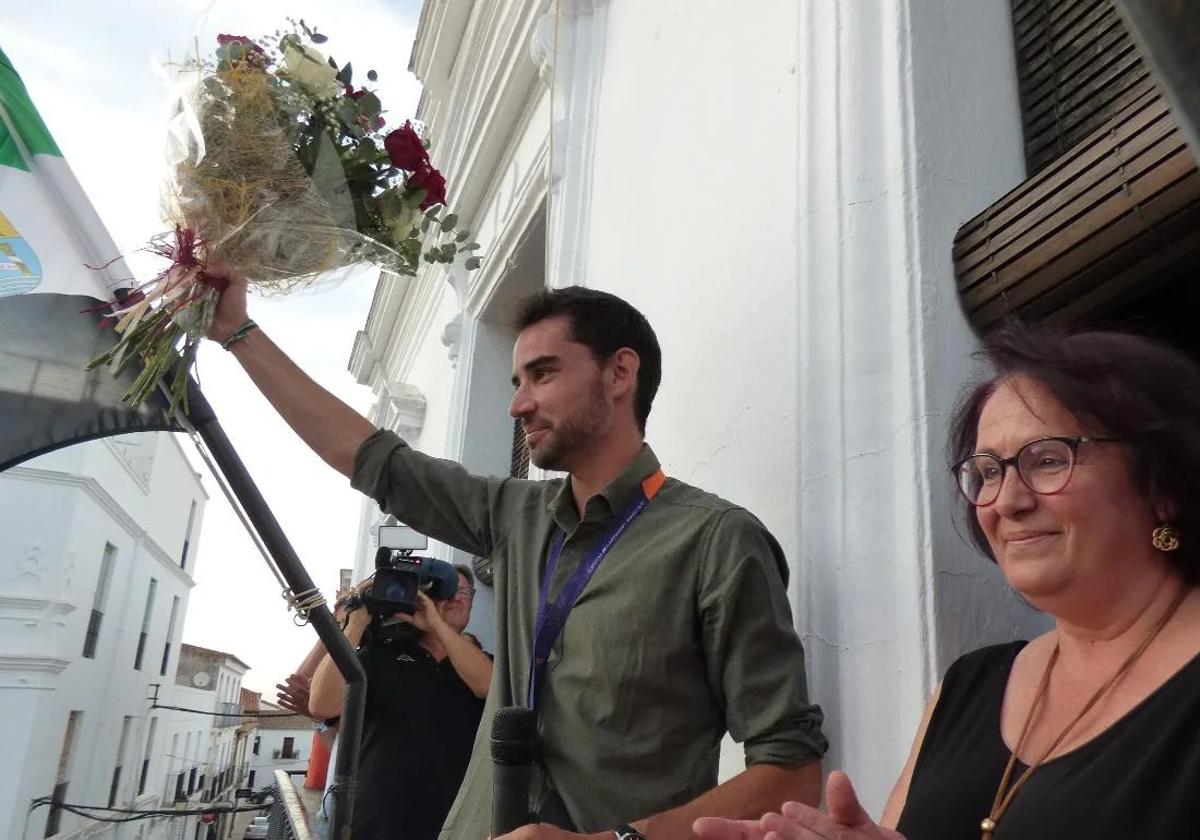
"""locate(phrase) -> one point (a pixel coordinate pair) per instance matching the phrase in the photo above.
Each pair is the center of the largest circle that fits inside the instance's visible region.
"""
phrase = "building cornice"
(96, 492)
(471, 114)
(36, 672)
(527, 201)
(371, 342)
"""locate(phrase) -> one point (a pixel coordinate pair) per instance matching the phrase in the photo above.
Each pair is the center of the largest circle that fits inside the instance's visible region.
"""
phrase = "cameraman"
(426, 683)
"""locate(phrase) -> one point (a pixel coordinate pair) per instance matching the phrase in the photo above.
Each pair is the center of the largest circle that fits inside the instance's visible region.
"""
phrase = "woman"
(1079, 464)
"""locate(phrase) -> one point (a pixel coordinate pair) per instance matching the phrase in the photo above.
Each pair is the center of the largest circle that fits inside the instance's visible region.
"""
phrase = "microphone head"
(514, 735)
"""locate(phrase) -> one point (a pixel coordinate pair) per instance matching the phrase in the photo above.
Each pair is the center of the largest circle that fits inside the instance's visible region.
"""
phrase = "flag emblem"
(20, 271)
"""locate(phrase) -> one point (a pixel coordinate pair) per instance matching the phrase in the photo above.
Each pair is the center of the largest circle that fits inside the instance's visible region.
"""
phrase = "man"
(425, 695)
(682, 632)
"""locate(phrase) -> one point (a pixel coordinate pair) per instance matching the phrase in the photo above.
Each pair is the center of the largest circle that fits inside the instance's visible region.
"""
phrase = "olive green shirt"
(683, 632)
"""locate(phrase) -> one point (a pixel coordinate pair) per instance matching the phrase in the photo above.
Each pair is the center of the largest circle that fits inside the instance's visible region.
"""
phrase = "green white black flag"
(50, 235)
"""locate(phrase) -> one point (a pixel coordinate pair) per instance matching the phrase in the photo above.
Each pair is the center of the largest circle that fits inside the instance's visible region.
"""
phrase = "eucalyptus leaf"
(369, 104)
(329, 180)
(472, 264)
(462, 236)
(318, 38)
(449, 222)
(346, 74)
(372, 75)
(367, 149)
(348, 112)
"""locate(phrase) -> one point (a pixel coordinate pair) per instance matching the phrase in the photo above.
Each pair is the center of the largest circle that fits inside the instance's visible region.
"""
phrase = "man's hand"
(427, 619)
(293, 694)
(545, 831)
(846, 820)
(231, 308)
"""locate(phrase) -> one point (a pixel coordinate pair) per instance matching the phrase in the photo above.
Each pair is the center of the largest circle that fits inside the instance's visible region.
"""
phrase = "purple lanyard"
(552, 615)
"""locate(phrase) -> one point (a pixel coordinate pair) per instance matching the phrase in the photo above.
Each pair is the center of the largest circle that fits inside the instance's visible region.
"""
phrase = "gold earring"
(1165, 538)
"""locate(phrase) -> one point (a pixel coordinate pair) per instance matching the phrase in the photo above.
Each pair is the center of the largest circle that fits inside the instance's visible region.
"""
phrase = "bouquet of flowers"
(285, 170)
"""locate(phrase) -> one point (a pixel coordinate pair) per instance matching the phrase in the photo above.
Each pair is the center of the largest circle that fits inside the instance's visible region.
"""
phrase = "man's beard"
(560, 445)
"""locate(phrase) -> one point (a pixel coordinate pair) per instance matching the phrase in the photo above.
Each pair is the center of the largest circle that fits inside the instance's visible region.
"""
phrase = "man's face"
(560, 396)
(456, 611)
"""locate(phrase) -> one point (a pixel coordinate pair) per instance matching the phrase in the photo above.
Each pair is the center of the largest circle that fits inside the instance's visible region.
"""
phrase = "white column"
(909, 125)
(568, 47)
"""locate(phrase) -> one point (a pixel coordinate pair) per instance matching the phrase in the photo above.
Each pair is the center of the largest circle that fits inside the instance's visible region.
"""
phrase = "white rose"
(310, 70)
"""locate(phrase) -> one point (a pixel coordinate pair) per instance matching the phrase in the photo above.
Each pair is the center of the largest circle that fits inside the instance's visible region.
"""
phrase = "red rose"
(354, 94)
(405, 149)
(379, 123)
(250, 45)
(429, 179)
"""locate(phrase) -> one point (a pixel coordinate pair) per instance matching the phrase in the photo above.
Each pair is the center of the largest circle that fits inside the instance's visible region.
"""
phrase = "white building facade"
(202, 754)
(97, 553)
(777, 189)
(281, 742)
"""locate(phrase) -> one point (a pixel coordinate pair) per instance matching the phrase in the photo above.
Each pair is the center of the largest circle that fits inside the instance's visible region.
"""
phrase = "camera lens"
(398, 590)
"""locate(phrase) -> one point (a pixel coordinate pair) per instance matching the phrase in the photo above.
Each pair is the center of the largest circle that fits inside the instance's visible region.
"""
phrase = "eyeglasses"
(1045, 466)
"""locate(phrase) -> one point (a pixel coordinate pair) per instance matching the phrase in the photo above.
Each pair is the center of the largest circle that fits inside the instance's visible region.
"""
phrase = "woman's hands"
(845, 819)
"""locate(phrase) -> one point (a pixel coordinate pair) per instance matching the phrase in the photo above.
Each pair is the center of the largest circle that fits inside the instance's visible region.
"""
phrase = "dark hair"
(1118, 385)
(604, 324)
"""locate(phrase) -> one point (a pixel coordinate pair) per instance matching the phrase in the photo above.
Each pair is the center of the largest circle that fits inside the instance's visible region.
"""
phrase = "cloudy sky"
(91, 70)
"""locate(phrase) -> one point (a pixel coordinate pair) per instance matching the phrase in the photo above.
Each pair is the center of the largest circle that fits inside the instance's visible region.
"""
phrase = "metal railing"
(288, 819)
(230, 714)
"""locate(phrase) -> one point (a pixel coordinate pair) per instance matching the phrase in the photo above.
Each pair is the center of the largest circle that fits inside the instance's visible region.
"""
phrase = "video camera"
(400, 574)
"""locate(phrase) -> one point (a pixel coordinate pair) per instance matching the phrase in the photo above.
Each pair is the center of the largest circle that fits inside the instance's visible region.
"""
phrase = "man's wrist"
(627, 832)
(240, 332)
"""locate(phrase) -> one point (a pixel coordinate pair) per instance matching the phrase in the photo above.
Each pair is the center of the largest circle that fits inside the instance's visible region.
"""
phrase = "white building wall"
(57, 514)
(271, 741)
(201, 747)
(426, 369)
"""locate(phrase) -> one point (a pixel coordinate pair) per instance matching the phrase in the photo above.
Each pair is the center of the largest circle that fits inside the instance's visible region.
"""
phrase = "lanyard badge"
(552, 615)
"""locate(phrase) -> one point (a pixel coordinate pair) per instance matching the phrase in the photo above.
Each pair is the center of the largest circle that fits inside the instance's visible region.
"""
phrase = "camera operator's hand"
(427, 618)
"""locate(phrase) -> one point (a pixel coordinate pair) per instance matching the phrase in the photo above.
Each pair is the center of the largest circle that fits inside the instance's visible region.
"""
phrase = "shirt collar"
(616, 495)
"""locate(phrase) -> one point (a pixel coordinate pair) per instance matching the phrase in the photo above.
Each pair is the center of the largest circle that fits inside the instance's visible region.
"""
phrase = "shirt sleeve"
(434, 496)
(755, 659)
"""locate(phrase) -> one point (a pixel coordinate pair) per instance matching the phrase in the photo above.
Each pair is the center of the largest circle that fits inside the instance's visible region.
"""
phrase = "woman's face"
(1091, 539)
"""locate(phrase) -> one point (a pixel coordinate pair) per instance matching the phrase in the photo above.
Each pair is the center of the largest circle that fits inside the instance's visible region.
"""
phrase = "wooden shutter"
(1100, 224)
(1077, 66)
(1112, 204)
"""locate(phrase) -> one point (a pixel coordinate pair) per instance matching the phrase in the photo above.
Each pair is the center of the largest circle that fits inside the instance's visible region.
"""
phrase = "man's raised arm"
(330, 427)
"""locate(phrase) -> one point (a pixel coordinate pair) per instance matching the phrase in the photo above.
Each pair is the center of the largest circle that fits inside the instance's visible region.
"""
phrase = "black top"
(418, 730)
(1137, 779)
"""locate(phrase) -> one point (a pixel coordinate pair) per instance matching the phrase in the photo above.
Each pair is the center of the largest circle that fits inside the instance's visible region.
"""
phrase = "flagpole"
(201, 417)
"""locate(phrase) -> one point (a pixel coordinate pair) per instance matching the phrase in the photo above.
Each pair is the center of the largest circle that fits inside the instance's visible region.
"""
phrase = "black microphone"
(514, 745)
